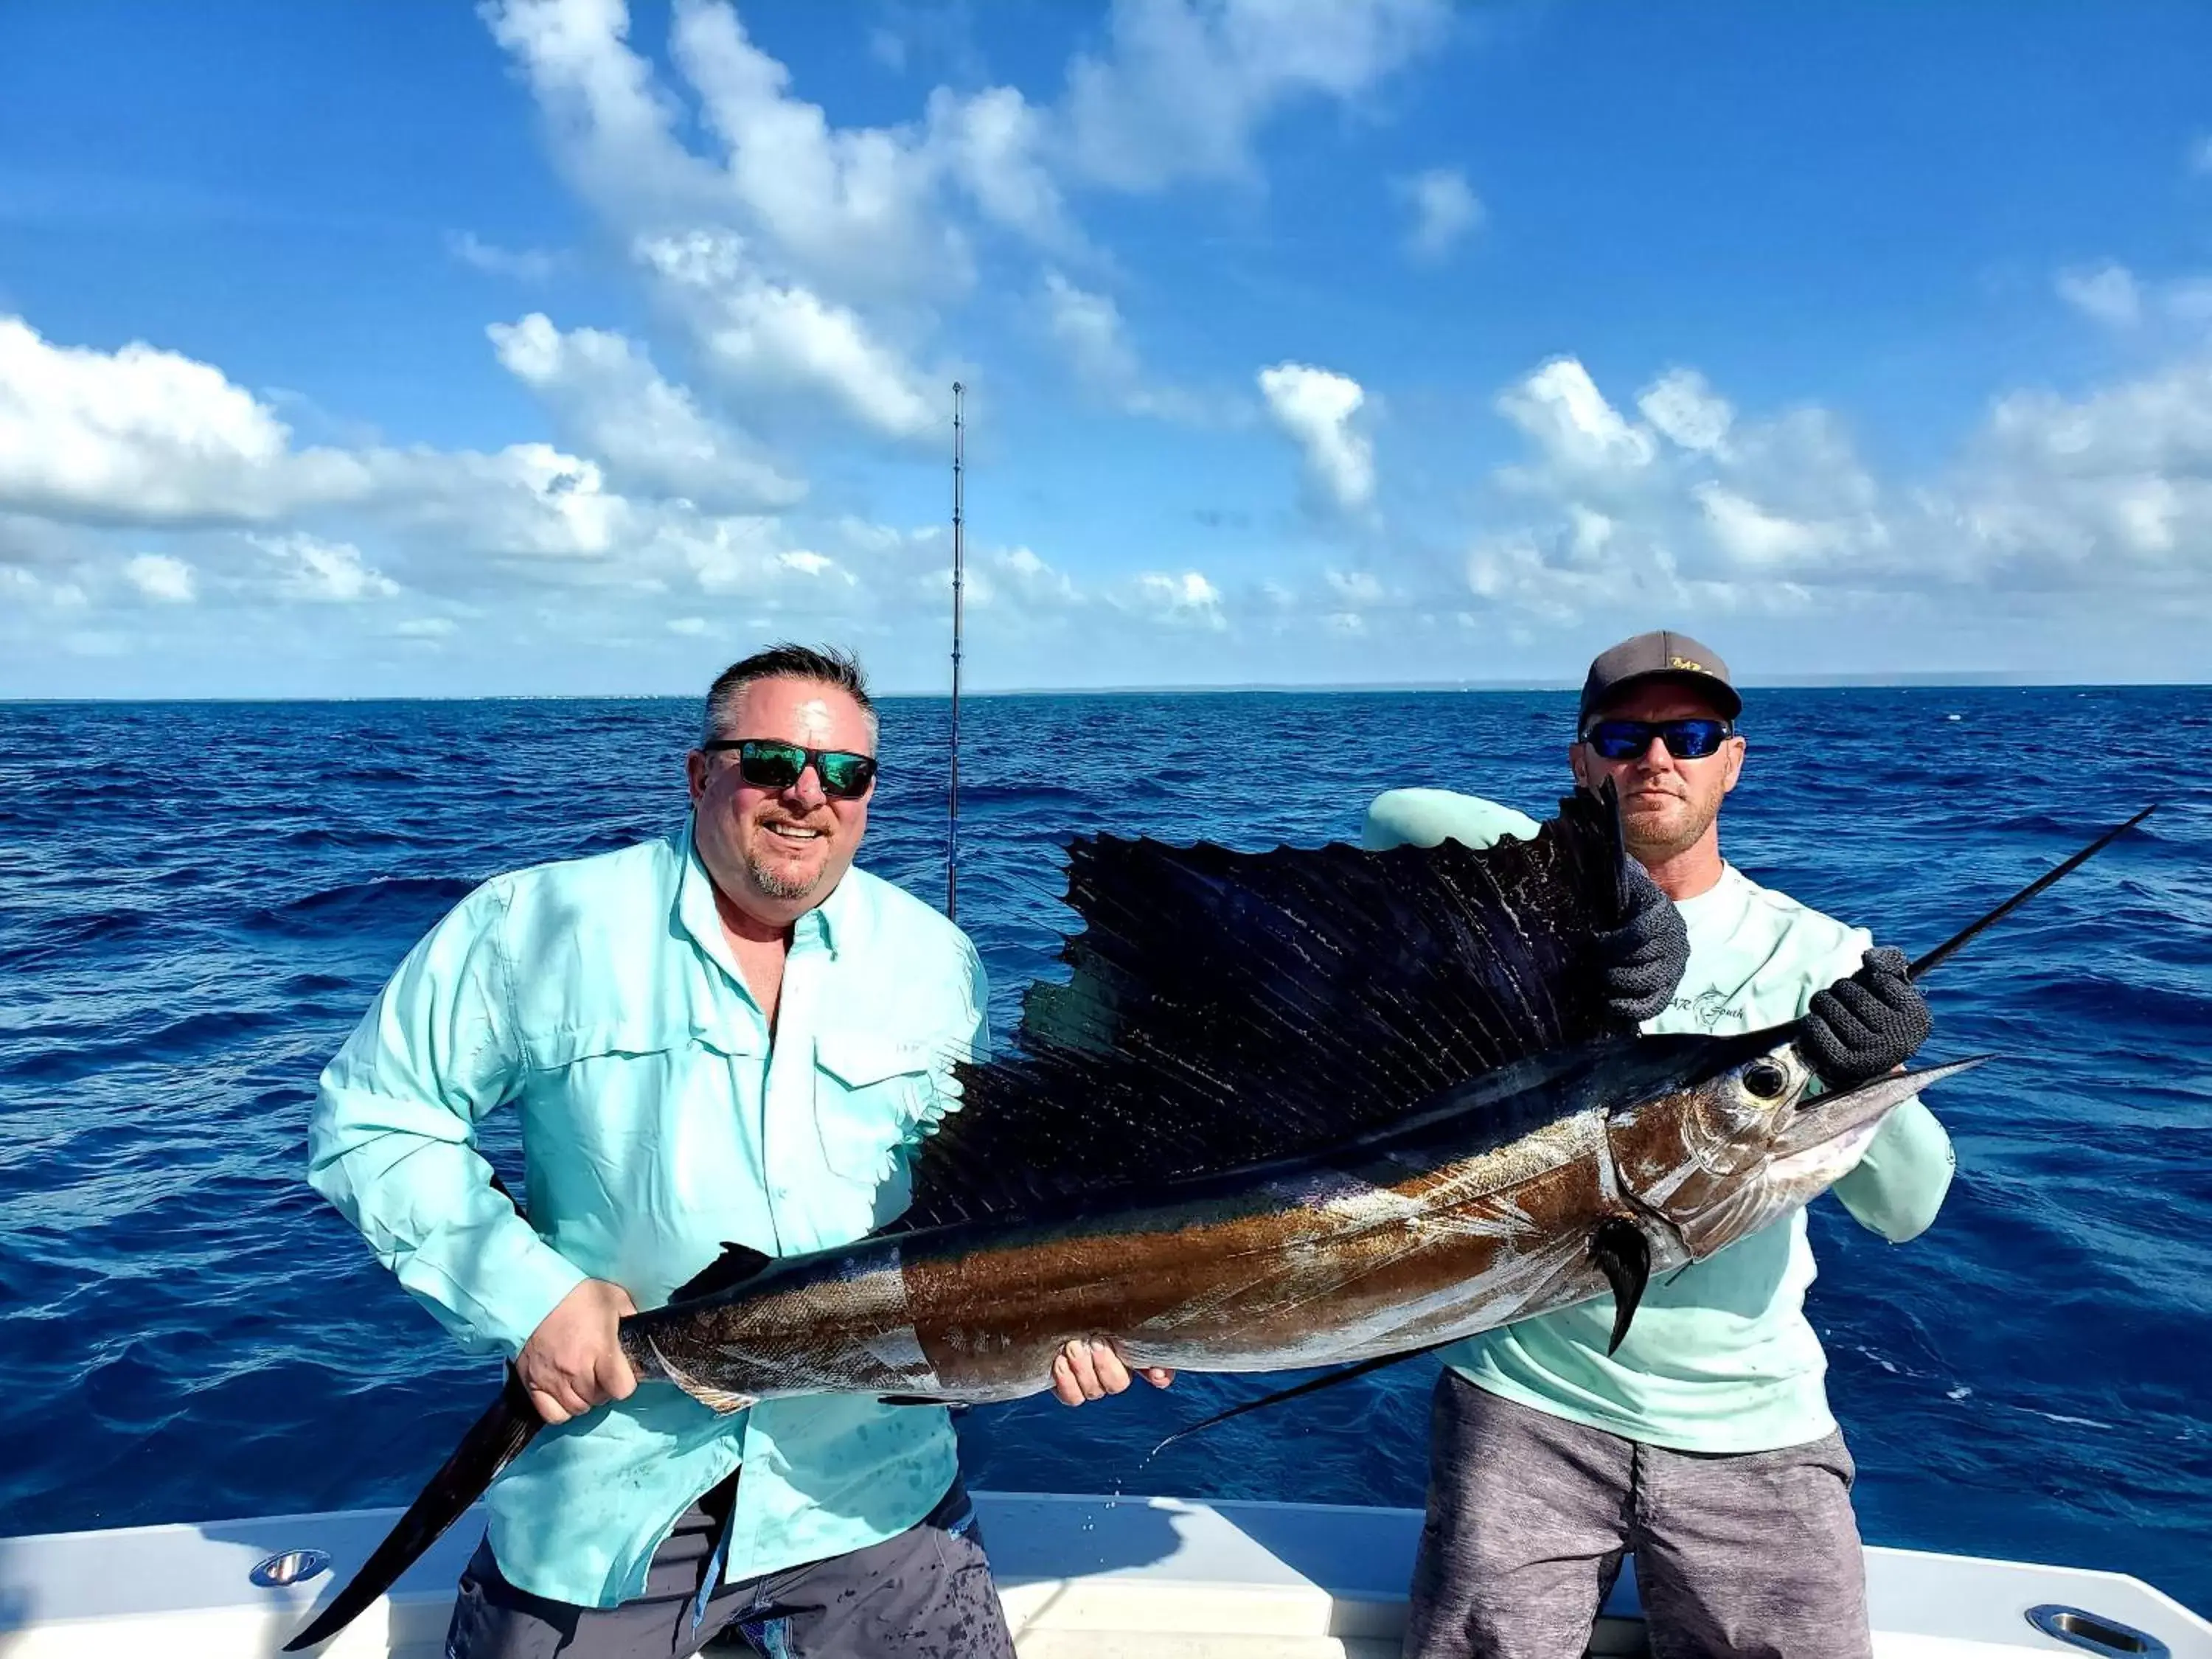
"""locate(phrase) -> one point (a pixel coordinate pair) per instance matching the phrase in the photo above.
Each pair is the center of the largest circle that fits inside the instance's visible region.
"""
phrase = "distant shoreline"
(1804, 683)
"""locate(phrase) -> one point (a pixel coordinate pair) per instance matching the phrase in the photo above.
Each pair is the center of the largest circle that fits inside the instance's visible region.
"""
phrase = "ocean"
(198, 901)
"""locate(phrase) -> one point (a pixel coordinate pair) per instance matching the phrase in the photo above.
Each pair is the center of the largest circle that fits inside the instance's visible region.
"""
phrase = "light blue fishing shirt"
(1720, 1357)
(599, 998)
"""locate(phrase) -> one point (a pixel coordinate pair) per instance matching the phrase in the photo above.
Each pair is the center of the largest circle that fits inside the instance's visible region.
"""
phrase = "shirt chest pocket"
(649, 1101)
(872, 1096)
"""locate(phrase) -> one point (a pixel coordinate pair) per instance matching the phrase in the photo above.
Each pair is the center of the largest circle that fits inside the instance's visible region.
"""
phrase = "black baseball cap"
(1661, 655)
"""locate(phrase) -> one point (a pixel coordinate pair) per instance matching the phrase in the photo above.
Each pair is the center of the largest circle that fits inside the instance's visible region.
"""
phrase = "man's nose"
(1657, 755)
(807, 788)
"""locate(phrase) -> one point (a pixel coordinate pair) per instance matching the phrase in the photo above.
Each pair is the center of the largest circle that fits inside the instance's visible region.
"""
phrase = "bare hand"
(1087, 1371)
(573, 1359)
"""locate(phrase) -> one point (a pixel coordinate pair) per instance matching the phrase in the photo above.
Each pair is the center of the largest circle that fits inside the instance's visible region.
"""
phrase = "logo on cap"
(1686, 665)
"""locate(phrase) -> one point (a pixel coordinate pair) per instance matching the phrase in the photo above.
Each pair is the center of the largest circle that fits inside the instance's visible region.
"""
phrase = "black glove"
(1644, 957)
(1860, 1027)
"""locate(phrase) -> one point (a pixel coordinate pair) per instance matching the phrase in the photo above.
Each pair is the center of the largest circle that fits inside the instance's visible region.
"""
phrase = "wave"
(380, 899)
(182, 1318)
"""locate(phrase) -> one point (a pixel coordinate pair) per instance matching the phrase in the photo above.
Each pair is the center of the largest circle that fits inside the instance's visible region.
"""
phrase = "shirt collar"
(1720, 905)
(826, 926)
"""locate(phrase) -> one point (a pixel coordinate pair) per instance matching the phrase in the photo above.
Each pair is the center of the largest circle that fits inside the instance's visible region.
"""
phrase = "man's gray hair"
(826, 665)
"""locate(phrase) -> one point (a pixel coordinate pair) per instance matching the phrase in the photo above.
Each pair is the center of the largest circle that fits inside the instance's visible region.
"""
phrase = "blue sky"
(555, 346)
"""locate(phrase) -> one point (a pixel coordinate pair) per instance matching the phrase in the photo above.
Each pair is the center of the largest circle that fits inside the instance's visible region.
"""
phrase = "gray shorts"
(926, 1594)
(1754, 1555)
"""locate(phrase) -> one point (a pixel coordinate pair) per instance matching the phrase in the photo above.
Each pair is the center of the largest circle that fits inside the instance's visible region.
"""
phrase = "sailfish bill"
(1293, 1109)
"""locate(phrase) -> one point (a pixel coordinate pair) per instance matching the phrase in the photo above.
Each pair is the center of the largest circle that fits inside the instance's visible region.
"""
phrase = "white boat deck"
(1083, 1578)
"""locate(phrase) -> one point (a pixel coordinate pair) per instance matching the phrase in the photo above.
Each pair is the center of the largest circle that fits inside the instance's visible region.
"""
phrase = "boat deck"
(1083, 1577)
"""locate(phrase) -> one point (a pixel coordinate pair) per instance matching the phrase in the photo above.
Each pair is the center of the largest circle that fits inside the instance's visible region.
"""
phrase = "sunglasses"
(765, 764)
(1691, 739)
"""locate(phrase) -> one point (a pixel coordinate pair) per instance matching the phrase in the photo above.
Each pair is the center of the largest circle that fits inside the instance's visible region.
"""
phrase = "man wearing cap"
(1705, 1443)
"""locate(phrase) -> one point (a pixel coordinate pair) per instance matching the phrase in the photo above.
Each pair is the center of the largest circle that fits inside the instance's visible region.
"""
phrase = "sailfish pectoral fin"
(1328, 1380)
(1623, 1255)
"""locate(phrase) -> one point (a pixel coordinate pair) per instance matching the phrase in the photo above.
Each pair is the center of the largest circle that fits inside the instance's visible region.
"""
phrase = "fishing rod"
(959, 563)
(1936, 957)
(1933, 959)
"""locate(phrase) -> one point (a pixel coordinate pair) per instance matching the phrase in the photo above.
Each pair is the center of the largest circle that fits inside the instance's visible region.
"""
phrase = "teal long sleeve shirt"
(1721, 1357)
(599, 1000)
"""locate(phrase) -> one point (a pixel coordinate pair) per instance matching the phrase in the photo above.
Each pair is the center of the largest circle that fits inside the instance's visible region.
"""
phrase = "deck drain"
(2079, 1628)
(292, 1567)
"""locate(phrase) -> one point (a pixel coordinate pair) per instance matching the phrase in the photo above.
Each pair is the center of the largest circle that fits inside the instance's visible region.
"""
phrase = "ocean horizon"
(1932, 681)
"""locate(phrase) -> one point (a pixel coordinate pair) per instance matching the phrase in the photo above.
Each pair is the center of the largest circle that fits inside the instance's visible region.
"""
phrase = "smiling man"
(731, 1034)
(1705, 1443)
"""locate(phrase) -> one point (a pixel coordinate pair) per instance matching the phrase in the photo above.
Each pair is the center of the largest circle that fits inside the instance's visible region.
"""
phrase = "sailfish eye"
(1766, 1080)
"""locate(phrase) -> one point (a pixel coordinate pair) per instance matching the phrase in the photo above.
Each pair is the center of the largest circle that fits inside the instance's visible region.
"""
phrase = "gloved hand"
(1644, 957)
(1863, 1026)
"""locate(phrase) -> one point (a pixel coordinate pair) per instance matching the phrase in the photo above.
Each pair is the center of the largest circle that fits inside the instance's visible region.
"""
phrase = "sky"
(556, 347)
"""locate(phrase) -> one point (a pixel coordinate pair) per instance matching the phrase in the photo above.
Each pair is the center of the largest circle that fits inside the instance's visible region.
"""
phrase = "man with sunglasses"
(729, 1035)
(1705, 1443)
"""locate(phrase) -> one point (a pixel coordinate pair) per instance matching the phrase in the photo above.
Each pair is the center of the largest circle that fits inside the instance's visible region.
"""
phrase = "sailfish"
(1304, 1108)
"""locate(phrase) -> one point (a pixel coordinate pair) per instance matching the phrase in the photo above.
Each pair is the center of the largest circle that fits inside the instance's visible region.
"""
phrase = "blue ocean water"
(197, 901)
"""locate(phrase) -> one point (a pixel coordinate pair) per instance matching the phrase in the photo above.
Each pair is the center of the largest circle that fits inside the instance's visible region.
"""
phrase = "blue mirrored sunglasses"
(1690, 739)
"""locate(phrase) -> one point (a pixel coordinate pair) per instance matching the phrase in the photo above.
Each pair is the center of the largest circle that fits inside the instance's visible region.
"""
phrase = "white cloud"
(1703, 509)
(843, 203)
(141, 435)
(1750, 535)
(1444, 210)
(527, 501)
(807, 259)
(161, 578)
(1561, 408)
(721, 556)
(859, 212)
(326, 572)
(2200, 156)
(1316, 407)
(29, 588)
(610, 401)
(2107, 293)
(613, 127)
(690, 626)
(427, 628)
(527, 264)
(758, 334)
(1039, 585)
(1186, 599)
(146, 436)
(1089, 330)
(1184, 84)
(1686, 411)
(2189, 299)
(2095, 488)
(994, 143)
(807, 562)
(1088, 327)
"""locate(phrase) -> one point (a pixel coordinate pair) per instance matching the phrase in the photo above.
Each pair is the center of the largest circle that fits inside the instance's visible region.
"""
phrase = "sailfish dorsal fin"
(1228, 1008)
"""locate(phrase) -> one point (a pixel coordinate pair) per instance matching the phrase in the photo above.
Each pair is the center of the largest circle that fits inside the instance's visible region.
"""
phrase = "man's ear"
(1575, 764)
(1736, 747)
(695, 773)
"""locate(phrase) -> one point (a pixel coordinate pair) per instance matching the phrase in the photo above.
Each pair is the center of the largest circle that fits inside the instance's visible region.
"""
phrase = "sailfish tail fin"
(493, 1441)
